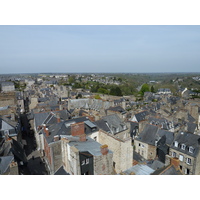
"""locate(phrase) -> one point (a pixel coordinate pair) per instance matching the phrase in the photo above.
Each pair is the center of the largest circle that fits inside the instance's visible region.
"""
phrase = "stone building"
(84, 156)
(77, 153)
(145, 142)
(186, 148)
(8, 166)
(122, 149)
(7, 87)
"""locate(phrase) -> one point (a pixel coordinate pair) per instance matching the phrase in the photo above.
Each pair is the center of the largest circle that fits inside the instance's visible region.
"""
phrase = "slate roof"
(141, 115)
(168, 170)
(43, 99)
(155, 164)
(50, 117)
(115, 124)
(8, 125)
(137, 157)
(169, 136)
(139, 169)
(152, 134)
(10, 122)
(94, 104)
(191, 127)
(61, 171)
(133, 126)
(64, 128)
(148, 135)
(102, 125)
(5, 163)
(89, 145)
(5, 148)
(160, 121)
(7, 84)
(40, 117)
(190, 140)
(190, 118)
(117, 109)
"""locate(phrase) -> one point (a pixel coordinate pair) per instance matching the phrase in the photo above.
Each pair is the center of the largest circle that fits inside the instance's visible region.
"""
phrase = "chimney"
(58, 118)
(91, 118)
(82, 138)
(78, 129)
(39, 128)
(175, 162)
(56, 138)
(46, 130)
(104, 149)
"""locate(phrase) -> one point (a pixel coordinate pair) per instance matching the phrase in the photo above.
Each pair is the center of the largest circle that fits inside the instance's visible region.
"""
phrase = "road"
(35, 165)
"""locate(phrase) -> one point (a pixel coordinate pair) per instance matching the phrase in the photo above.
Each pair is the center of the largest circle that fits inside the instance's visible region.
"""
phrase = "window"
(174, 154)
(87, 161)
(181, 167)
(183, 146)
(139, 144)
(191, 149)
(176, 144)
(95, 138)
(188, 161)
(142, 146)
(187, 171)
(83, 162)
(181, 157)
(6, 132)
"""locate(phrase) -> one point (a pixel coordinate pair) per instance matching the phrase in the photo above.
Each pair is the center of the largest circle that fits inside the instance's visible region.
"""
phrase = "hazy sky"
(32, 49)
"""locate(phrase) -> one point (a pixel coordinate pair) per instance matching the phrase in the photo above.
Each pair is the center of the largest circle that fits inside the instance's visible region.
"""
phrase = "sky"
(90, 48)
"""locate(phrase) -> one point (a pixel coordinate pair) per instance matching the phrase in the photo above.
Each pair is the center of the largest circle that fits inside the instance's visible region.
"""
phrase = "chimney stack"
(175, 162)
(104, 149)
(82, 138)
(78, 129)
(58, 118)
(56, 138)
(46, 130)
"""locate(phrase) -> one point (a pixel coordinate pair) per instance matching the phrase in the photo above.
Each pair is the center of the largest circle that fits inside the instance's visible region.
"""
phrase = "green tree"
(97, 96)
(145, 88)
(152, 89)
(116, 91)
(79, 96)
(102, 90)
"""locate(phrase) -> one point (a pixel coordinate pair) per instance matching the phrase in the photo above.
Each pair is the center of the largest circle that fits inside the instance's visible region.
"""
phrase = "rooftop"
(89, 145)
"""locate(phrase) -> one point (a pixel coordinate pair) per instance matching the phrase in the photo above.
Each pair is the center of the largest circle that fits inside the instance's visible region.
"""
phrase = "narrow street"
(35, 165)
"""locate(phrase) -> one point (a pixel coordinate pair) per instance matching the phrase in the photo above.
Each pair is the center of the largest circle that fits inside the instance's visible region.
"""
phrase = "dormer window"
(183, 146)
(6, 132)
(191, 149)
(176, 144)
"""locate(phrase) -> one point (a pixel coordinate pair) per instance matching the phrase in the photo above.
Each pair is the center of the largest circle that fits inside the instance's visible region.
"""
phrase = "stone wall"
(103, 164)
(33, 104)
(122, 149)
(194, 170)
(57, 155)
(70, 158)
(14, 169)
